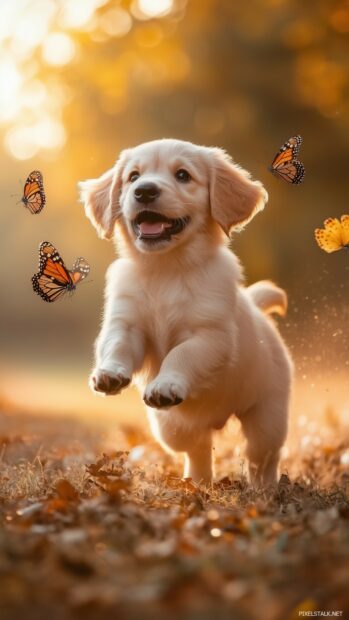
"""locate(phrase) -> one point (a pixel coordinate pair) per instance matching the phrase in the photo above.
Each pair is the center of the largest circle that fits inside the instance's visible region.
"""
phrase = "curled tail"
(268, 297)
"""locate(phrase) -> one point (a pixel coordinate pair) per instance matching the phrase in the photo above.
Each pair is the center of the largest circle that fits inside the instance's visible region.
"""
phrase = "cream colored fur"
(178, 320)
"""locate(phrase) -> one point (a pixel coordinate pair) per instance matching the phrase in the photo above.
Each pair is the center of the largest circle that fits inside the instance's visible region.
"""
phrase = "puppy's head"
(162, 193)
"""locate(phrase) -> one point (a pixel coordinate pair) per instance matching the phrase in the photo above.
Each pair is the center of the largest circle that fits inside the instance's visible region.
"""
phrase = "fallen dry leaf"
(66, 491)
(127, 536)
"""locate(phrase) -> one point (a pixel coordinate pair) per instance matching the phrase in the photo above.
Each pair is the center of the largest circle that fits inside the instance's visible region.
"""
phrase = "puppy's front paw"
(108, 383)
(165, 392)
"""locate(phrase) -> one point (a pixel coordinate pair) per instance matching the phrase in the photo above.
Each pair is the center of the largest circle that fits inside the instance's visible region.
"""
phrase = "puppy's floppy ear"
(235, 198)
(101, 198)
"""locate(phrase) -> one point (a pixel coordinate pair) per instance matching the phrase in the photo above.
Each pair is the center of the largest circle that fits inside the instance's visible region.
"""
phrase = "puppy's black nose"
(147, 192)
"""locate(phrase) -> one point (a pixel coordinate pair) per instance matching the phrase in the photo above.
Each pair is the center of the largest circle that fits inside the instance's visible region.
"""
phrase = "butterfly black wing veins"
(53, 279)
(34, 198)
(285, 164)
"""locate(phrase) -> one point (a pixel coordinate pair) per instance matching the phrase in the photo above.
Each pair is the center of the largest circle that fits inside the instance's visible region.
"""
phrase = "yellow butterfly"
(335, 235)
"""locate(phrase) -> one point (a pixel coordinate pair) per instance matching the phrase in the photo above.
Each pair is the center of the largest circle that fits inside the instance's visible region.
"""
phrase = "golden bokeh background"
(82, 79)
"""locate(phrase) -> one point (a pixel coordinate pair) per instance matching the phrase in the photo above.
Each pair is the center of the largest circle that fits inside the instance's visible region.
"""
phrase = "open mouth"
(152, 226)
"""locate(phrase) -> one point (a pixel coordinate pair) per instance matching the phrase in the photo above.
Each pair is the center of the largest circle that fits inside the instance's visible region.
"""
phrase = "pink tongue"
(152, 228)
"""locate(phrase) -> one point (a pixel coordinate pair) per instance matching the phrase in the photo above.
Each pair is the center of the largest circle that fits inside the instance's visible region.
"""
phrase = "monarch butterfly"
(286, 165)
(335, 235)
(53, 279)
(34, 197)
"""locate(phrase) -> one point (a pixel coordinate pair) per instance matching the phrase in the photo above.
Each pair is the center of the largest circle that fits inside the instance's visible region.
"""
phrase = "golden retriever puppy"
(178, 319)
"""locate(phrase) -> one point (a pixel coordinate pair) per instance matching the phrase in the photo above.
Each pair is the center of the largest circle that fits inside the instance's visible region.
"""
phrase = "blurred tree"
(81, 79)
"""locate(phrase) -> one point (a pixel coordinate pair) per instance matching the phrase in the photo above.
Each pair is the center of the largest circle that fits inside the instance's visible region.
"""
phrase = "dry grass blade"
(110, 533)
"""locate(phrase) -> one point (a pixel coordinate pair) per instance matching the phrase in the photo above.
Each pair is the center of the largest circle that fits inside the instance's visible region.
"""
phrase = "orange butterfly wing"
(335, 234)
(286, 165)
(53, 279)
(282, 157)
(47, 289)
(57, 270)
(34, 197)
(80, 270)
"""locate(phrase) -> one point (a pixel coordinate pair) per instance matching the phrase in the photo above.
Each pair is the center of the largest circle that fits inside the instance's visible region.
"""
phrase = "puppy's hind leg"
(197, 446)
(265, 429)
(198, 460)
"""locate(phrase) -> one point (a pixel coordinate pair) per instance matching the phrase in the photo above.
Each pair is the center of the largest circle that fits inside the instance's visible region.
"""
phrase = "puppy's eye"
(134, 176)
(183, 175)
